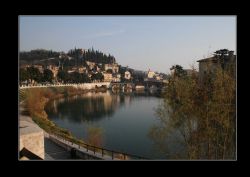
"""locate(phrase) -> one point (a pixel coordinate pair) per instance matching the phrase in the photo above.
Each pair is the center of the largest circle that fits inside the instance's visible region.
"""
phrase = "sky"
(140, 42)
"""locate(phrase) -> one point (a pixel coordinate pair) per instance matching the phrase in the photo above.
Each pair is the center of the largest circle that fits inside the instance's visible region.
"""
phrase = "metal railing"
(114, 155)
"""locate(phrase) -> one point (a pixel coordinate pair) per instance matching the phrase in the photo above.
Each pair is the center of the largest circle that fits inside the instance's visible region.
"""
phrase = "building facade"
(210, 65)
(114, 67)
(151, 74)
(107, 77)
(116, 77)
(127, 75)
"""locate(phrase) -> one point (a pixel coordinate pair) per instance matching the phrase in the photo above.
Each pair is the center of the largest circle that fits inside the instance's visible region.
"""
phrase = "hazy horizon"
(140, 42)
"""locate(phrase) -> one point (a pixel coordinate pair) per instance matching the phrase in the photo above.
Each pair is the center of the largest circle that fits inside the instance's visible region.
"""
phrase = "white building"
(158, 77)
(127, 75)
(151, 74)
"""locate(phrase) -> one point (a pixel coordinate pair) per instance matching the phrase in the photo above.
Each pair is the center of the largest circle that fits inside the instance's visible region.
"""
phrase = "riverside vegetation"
(35, 100)
(204, 113)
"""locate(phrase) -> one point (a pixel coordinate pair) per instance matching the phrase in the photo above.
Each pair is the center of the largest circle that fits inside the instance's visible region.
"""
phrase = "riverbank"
(35, 100)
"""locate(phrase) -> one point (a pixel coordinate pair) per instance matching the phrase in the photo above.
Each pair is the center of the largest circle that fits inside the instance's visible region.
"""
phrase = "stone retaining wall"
(31, 137)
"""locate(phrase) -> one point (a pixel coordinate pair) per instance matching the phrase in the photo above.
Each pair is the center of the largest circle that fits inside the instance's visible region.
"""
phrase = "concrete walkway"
(54, 152)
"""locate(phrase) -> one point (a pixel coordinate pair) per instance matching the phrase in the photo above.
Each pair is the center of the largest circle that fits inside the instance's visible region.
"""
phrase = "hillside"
(75, 57)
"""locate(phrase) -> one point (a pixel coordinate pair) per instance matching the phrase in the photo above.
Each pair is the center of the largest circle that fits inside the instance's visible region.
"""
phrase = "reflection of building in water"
(74, 97)
(117, 97)
(115, 101)
(94, 103)
(95, 94)
(88, 107)
(107, 100)
(127, 100)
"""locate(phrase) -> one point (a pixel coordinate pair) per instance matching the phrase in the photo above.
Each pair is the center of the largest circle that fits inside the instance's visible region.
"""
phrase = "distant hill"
(37, 55)
(91, 55)
(75, 57)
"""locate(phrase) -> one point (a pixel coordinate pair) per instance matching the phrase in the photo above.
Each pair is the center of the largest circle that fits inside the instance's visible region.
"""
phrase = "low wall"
(31, 137)
(86, 86)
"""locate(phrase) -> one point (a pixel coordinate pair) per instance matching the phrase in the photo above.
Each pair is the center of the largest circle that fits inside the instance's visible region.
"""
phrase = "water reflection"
(166, 137)
(124, 117)
(91, 106)
(81, 108)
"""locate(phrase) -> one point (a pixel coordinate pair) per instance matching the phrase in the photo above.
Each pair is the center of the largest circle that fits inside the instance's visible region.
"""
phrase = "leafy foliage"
(90, 55)
(62, 75)
(37, 54)
(35, 101)
(97, 77)
(95, 136)
(34, 74)
(47, 75)
(78, 57)
(178, 71)
(23, 74)
(204, 113)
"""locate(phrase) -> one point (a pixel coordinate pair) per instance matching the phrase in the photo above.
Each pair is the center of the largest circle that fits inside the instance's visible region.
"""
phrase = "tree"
(206, 118)
(47, 75)
(221, 52)
(85, 78)
(75, 77)
(95, 136)
(97, 77)
(34, 74)
(178, 71)
(23, 75)
(92, 55)
(38, 54)
(62, 75)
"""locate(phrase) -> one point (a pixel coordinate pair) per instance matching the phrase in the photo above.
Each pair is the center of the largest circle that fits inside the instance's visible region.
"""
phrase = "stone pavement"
(54, 152)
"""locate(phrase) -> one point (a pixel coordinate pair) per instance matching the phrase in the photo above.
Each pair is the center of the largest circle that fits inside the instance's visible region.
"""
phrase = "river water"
(124, 118)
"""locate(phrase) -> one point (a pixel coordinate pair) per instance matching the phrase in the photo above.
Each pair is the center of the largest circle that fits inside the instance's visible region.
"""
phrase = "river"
(124, 118)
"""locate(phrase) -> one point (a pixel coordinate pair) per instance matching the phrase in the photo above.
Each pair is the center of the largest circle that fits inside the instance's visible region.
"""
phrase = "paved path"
(53, 151)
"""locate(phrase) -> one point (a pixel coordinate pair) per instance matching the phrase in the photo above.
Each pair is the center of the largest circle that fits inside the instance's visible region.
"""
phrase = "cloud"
(105, 34)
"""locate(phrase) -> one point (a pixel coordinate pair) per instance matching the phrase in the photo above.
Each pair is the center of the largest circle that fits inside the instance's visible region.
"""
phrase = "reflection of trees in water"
(87, 109)
(52, 105)
(90, 106)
